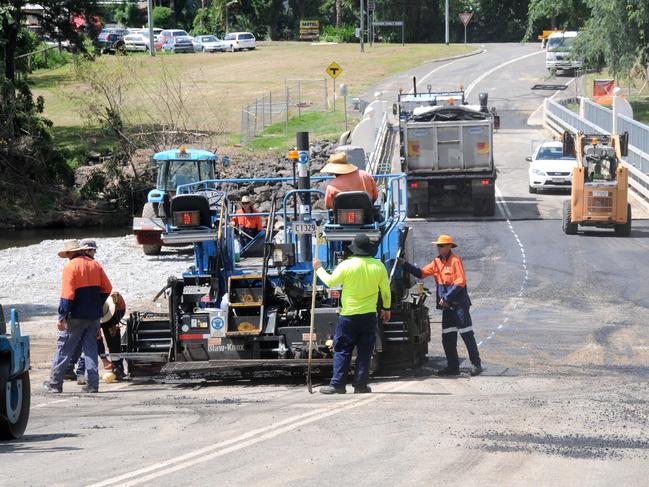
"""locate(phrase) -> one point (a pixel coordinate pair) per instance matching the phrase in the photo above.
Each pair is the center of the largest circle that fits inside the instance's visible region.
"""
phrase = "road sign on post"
(465, 17)
(334, 70)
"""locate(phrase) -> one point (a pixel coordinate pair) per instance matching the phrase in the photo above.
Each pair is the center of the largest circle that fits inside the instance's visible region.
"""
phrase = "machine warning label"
(230, 347)
(306, 336)
(214, 341)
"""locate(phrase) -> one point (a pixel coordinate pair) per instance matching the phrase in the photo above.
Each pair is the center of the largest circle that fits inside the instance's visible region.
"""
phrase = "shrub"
(344, 33)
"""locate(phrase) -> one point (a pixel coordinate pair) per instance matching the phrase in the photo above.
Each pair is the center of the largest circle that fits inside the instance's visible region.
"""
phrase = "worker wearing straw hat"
(453, 299)
(348, 178)
(85, 288)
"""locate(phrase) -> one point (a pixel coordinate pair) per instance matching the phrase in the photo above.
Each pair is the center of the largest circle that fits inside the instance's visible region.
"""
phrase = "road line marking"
(421, 80)
(49, 403)
(245, 440)
(493, 70)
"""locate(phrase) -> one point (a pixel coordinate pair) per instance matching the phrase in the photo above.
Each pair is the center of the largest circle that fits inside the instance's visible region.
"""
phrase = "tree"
(163, 18)
(563, 14)
(617, 34)
(130, 14)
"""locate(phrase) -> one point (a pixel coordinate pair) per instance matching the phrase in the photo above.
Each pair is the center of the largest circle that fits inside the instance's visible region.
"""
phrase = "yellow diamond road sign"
(334, 70)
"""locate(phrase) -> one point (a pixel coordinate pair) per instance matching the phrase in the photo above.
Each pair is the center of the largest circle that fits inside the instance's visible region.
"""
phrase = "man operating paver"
(453, 299)
(362, 277)
(85, 288)
(348, 178)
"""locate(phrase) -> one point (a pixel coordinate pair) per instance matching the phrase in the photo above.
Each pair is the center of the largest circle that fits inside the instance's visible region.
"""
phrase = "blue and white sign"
(218, 323)
(303, 157)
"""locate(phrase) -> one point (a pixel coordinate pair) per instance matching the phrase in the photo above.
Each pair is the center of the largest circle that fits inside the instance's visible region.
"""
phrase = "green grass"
(219, 85)
(640, 109)
(320, 125)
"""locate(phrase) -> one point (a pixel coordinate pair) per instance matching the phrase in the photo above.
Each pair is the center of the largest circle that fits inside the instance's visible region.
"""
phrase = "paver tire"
(15, 399)
(624, 230)
(149, 212)
(568, 227)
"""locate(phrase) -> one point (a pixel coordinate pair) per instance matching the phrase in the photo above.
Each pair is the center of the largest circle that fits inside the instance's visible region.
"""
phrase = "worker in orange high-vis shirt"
(453, 299)
(250, 225)
(83, 293)
(348, 178)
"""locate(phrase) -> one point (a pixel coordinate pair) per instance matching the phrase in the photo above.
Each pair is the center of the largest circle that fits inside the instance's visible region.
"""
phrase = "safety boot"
(332, 390)
(89, 388)
(446, 372)
(51, 388)
(476, 370)
(362, 389)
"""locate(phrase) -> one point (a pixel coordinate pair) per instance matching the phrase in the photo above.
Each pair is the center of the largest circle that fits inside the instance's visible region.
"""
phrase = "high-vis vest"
(84, 290)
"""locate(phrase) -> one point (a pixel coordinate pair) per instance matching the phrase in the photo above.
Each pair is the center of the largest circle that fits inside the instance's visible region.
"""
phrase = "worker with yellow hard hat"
(453, 299)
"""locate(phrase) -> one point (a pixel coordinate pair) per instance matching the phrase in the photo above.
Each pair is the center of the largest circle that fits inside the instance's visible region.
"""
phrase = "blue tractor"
(174, 167)
(242, 313)
(15, 394)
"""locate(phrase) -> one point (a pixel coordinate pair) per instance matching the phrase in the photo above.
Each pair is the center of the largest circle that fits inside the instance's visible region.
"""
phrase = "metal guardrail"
(379, 145)
(559, 118)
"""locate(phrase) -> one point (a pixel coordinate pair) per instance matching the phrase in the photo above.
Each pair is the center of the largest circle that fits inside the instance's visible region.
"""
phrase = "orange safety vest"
(248, 221)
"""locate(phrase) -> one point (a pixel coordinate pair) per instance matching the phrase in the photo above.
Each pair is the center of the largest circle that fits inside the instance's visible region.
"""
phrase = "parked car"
(109, 37)
(167, 34)
(549, 168)
(179, 44)
(136, 42)
(237, 41)
(209, 44)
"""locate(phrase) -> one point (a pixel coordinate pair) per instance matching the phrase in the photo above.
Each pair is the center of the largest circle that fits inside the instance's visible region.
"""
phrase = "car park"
(167, 34)
(136, 42)
(237, 41)
(109, 37)
(209, 44)
(549, 168)
(179, 44)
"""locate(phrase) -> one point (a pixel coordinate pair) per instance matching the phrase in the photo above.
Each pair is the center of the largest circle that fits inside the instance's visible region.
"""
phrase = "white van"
(558, 51)
(237, 41)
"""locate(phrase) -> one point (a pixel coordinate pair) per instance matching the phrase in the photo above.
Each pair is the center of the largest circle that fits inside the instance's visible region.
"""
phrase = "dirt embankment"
(104, 197)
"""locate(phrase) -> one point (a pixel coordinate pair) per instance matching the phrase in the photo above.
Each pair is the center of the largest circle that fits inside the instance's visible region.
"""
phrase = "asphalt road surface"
(561, 322)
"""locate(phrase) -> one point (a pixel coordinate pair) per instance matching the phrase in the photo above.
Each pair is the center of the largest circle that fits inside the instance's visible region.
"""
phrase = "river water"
(23, 238)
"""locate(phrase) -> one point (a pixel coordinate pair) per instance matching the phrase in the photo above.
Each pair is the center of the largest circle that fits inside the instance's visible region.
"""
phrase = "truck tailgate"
(449, 146)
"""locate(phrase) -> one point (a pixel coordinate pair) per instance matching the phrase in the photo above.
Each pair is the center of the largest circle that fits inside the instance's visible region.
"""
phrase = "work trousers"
(114, 343)
(83, 332)
(454, 321)
(353, 331)
(251, 233)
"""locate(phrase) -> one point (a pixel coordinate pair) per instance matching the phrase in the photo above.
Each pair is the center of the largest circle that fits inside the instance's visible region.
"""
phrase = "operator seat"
(353, 200)
(193, 202)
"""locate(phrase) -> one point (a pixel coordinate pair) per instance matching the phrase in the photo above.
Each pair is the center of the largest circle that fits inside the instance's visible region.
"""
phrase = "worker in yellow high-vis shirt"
(362, 278)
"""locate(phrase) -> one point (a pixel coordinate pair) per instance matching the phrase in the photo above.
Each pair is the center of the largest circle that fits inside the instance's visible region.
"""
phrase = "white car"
(237, 41)
(209, 44)
(549, 168)
(136, 42)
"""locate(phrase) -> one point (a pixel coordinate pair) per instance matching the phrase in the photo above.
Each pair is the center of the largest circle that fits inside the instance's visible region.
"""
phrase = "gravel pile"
(31, 276)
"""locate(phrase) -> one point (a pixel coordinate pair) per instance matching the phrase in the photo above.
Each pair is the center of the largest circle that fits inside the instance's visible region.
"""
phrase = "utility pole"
(446, 21)
(149, 16)
(362, 28)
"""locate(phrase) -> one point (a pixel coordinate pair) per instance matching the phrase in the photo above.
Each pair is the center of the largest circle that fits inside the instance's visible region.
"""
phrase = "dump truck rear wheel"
(568, 227)
(149, 212)
(624, 230)
(15, 399)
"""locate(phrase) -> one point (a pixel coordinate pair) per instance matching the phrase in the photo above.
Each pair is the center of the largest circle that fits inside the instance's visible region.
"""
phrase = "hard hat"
(445, 240)
(109, 377)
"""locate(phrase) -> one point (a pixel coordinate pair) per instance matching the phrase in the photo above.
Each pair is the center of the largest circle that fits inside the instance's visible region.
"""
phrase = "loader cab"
(600, 163)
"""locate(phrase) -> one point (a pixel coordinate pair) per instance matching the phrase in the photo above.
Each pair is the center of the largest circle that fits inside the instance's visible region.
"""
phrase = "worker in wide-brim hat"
(362, 277)
(453, 299)
(84, 289)
(348, 178)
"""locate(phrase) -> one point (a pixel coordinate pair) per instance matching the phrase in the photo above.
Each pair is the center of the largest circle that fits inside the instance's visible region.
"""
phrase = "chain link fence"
(298, 96)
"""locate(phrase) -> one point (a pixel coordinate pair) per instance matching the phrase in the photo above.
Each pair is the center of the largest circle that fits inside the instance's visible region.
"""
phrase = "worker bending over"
(348, 178)
(453, 299)
(362, 277)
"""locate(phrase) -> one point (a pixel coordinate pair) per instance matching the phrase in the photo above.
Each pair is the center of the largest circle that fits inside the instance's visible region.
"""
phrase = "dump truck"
(174, 167)
(250, 312)
(15, 392)
(446, 149)
(600, 183)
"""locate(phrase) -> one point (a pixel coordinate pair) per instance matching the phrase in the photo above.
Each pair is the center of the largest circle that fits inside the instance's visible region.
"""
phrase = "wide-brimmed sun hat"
(363, 246)
(338, 164)
(69, 247)
(246, 199)
(109, 309)
(445, 240)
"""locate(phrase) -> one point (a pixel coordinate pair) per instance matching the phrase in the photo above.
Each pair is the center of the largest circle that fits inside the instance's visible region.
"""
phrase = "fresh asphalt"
(560, 320)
